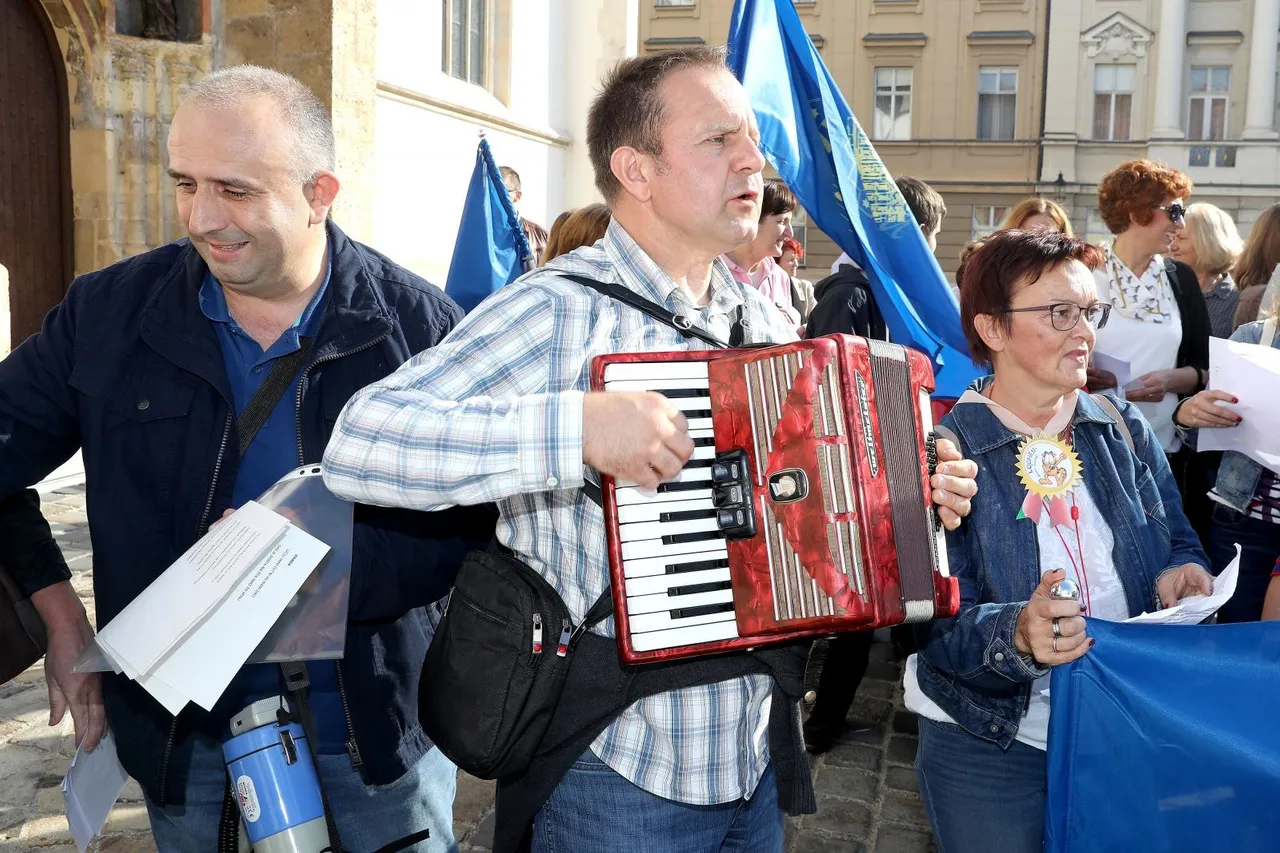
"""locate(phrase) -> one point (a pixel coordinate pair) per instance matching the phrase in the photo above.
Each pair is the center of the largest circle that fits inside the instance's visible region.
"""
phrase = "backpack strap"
(1268, 332)
(1110, 408)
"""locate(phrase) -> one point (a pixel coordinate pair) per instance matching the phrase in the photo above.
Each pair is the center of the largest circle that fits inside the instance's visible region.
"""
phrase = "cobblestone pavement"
(867, 800)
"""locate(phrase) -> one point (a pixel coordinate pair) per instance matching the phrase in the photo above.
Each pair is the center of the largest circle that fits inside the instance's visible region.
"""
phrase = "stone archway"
(35, 194)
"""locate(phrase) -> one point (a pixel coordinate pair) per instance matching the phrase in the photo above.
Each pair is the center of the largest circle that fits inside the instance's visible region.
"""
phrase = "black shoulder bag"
(495, 670)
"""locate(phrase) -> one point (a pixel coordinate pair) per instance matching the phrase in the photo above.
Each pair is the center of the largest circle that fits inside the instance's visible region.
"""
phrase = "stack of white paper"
(1194, 609)
(1252, 374)
(189, 632)
(91, 787)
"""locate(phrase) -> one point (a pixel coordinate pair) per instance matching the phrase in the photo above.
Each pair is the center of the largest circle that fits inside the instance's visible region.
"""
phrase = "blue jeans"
(368, 816)
(1259, 546)
(980, 798)
(595, 809)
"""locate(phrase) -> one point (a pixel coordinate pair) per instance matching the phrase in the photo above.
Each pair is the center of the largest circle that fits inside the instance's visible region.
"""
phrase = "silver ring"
(1057, 629)
(1055, 645)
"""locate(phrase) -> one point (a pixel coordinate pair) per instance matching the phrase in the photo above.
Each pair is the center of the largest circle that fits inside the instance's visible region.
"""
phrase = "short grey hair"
(302, 112)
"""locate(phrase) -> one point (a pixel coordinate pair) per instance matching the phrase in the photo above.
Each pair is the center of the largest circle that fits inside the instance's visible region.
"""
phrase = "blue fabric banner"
(1163, 739)
(491, 245)
(810, 136)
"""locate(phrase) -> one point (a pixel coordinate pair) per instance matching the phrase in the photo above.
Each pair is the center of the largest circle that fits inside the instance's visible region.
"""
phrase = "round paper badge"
(1047, 466)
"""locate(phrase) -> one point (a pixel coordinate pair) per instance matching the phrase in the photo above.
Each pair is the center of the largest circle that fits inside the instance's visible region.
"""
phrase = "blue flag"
(491, 247)
(1164, 738)
(812, 139)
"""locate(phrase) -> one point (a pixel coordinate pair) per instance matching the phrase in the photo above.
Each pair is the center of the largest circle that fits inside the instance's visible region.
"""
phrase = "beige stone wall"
(122, 92)
(302, 38)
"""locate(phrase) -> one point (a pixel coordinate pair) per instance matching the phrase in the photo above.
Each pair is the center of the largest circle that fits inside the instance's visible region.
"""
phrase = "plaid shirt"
(494, 413)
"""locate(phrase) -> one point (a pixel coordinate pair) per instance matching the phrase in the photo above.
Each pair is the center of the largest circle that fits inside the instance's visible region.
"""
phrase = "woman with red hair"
(1159, 323)
(801, 288)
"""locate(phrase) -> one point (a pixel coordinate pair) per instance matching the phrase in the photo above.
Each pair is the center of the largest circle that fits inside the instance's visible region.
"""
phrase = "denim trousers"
(979, 797)
(595, 810)
(367, 816)
(1259, 547)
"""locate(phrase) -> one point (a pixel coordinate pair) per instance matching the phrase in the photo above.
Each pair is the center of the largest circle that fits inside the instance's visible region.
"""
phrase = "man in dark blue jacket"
(147, 364)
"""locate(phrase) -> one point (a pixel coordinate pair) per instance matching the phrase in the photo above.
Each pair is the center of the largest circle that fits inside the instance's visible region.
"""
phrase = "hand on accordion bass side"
(638, 436)
(954, 484)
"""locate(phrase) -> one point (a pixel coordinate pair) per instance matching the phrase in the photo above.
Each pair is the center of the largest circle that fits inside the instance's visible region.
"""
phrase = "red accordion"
(804, 510)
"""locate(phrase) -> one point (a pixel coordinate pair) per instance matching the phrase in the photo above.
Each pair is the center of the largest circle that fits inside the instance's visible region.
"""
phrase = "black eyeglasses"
(1176, 212)
(1065, 316)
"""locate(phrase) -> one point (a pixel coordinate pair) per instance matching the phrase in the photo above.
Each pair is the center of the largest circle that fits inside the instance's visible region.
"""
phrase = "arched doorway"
(35, 203)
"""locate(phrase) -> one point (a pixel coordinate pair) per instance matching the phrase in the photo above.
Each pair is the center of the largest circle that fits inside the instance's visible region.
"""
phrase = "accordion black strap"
(662, 315)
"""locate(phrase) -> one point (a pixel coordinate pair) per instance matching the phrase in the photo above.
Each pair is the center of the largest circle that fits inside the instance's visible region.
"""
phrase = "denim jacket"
(969, 664)
(1238, 474)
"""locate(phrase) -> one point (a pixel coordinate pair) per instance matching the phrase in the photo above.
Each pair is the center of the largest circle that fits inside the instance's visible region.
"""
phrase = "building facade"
(949, 91)
(88, 89)
(1189, 83)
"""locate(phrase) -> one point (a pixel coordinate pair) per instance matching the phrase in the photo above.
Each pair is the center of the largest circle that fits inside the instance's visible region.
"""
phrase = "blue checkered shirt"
(494, 413)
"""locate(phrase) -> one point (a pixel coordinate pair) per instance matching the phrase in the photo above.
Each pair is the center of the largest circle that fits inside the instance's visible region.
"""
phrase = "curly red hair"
(794, 245)
(1136, 189)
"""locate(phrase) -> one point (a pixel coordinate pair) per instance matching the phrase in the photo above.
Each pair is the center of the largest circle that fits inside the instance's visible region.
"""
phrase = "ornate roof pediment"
(1117, 36)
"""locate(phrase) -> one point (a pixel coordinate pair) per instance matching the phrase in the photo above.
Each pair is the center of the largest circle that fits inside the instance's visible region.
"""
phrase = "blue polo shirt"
(271, 454)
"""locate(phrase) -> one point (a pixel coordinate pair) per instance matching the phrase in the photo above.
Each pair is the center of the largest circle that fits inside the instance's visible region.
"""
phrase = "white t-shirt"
(1145, 329)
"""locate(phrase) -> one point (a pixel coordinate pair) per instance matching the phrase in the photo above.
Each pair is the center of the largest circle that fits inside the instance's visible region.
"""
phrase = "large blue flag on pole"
(491, 249)
(812, 139)
(1164, 739)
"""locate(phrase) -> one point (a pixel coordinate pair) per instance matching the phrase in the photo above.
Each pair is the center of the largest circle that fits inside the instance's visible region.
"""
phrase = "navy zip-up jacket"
(128, 369)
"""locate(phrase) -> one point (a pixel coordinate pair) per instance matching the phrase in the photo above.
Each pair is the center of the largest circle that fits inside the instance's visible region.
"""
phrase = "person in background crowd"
(582, 227)
(555, 230)
(980, 680)
(503, 412)
(1037, 212)
(1246, 495)
(149, 365)
(753, 262)
(1210, 244)
(846, 305)
(965, 255)
(844, 299)
(533, 232)
(801, 288)
(1271, 609)
(1159, 323)
(1259, 263)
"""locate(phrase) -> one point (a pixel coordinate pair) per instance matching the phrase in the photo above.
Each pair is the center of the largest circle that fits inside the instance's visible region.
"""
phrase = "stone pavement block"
(903, 808)
(127, 844)
(896, 839)
(845, 783)
(21, 769)
(872, 710)
(131, 792)
(839, 817)
(473, 799)
(901, 778)
(872, 689)
(481, 838)
(49, 801)
(902, 749)
(128, 817)
(814, 843)
(853, 755)
(25, 706)
(884, 671)
(906, 723)
(864, 732)
(45, 831)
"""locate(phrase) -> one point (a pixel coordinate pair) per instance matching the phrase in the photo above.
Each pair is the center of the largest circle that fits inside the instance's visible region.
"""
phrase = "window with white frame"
(1207, 113)
(466, 40)
(893, 103)
(1112, 101)
(997, 102)
(986, 219)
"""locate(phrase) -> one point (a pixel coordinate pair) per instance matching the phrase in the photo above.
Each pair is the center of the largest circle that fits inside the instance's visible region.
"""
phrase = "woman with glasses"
(1159, 323)
(1071, 487)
